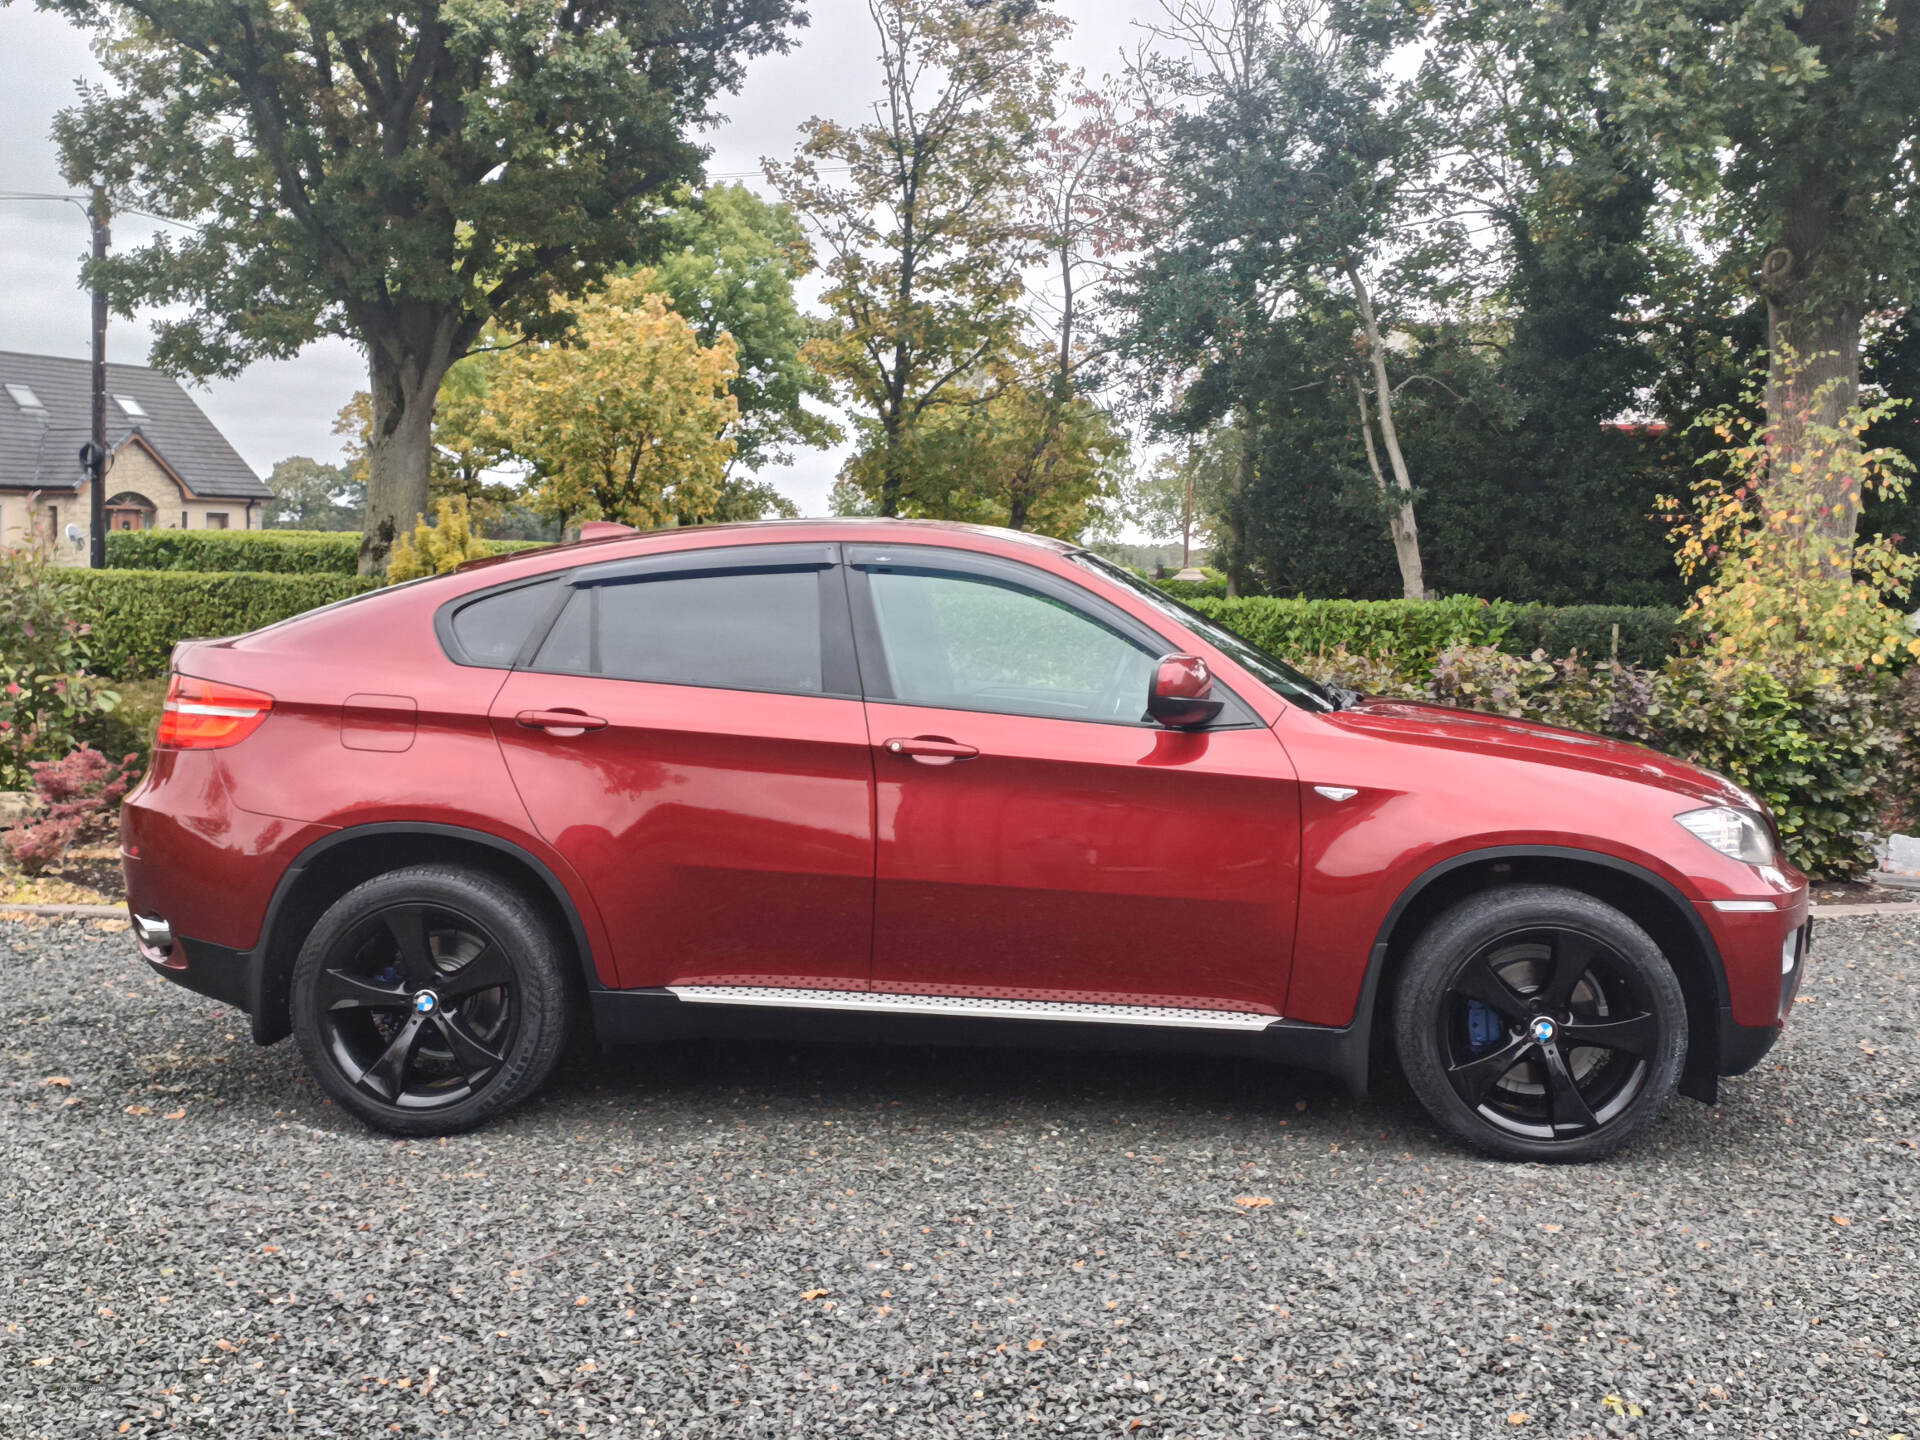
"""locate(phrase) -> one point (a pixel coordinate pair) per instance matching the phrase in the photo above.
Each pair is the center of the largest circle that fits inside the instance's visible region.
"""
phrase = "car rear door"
(1038, 838)
(686, 730)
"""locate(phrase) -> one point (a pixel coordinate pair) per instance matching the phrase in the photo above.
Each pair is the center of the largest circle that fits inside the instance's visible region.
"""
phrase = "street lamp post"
(97, 480)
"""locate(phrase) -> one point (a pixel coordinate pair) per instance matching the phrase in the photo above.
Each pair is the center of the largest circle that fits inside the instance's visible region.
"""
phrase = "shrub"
(82, 794)
(279, 552)
(439, 548)
(46, 692)
(1412, 633)
(1214, 587)
(129, 727)
(138, 616)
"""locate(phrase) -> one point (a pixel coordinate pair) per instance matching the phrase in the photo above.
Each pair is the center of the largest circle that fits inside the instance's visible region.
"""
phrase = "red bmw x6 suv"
(916, 780)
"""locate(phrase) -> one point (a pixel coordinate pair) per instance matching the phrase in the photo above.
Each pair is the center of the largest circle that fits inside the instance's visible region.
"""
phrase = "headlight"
(1740, 834)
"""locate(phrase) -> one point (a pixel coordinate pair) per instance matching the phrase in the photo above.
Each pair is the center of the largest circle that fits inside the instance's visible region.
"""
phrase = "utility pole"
(97, 486)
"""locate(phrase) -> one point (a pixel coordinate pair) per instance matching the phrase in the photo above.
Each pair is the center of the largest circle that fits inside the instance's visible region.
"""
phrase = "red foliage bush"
(83, 794)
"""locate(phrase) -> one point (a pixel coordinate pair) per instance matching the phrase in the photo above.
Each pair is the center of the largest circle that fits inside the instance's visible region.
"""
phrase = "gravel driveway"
(750, 1240)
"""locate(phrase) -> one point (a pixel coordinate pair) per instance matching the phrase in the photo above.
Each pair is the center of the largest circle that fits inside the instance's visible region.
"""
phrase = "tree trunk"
(400, 446)
(1400, 521)
(1813, 379)
(1233, 517)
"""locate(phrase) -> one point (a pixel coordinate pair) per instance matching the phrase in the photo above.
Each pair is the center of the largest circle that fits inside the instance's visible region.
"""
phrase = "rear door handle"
(931, 749)
(560, 722)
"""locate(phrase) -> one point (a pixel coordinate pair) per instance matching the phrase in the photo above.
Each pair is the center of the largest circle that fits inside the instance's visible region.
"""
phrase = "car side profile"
(911, 780)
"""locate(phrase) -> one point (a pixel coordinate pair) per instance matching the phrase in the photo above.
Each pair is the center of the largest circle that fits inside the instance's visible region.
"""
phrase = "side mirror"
(1180, 695)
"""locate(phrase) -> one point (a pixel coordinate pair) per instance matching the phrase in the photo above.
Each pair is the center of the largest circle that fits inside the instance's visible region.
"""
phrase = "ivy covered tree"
(1784, 133)
(403, 180)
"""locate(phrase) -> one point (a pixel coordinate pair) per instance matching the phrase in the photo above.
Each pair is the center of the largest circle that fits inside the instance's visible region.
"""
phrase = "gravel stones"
(747, 1240)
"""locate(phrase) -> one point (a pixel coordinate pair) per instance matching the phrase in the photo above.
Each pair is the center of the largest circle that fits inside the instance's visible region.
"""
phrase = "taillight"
(208, 715)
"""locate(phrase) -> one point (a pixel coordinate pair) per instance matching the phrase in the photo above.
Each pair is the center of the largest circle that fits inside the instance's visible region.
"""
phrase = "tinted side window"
(959, 642)
(490, 630)
(738, 631)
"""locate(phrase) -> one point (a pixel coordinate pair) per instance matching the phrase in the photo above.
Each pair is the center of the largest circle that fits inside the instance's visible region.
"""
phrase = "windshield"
(1279, 677)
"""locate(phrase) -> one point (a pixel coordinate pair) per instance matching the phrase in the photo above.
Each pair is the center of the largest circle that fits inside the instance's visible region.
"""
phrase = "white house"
(170, 468)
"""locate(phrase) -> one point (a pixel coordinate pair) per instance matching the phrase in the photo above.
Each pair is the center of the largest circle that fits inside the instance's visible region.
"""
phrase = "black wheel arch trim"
(1700, 1078)
(269, 991)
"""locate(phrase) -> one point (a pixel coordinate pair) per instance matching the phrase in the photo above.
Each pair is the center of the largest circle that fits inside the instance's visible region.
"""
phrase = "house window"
(183, 520)
(53, 521)
(216, 519)
(24, 397)
(130, 406)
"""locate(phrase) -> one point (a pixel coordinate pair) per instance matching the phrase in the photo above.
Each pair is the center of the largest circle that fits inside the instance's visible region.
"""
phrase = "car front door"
(688, 734)
(1038, 838)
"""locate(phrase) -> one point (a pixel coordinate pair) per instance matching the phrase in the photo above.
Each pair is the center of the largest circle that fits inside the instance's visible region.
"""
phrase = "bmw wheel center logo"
(425, 1002)
(1543, 1029)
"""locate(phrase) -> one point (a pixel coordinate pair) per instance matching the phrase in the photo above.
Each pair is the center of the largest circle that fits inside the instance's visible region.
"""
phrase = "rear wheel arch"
(1651, 901)
(336, 863)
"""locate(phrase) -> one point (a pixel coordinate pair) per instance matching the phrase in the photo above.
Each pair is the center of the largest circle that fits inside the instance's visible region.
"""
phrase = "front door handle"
(931, 749)
(560, 722)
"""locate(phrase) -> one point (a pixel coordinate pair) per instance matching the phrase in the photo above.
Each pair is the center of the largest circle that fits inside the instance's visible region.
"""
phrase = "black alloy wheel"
(428, 999)
(1540, 1023)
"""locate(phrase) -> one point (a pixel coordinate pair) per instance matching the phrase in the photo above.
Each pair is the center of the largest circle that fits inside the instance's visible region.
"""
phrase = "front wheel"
(428, 1000)
(1539, 1023)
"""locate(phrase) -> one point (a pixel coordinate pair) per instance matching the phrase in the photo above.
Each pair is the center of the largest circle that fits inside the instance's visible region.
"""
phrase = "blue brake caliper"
(1483, 1025)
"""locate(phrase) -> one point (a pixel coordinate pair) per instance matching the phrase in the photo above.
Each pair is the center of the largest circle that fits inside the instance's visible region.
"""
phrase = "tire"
(1498, 995)
(431, 999)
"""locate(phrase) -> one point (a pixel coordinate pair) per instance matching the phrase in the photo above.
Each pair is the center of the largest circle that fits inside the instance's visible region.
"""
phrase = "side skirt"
(645, 1017)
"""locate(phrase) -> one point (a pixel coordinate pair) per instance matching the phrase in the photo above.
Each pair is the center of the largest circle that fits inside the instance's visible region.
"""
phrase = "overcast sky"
(287, 408)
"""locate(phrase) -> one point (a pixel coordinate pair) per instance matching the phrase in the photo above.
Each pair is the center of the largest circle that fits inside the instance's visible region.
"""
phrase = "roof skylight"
(131, 406)
(24, 397)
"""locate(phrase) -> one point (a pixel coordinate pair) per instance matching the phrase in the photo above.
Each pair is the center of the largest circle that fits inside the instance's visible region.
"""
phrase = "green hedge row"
(1411, 632)
(279, 552)
(138, 616)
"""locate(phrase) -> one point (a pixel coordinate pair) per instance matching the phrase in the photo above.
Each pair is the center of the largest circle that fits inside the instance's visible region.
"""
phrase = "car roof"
(851, 529)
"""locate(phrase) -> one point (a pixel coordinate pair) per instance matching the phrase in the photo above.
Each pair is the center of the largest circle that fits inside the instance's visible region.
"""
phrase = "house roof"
(40, 447)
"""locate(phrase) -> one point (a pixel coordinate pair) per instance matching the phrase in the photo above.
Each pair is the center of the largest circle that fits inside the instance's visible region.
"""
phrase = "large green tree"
(919, 215)
(308, 495)
(402, 177)
(731, 261)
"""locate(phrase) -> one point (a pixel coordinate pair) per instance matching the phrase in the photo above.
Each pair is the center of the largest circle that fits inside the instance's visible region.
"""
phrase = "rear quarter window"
(491, 629)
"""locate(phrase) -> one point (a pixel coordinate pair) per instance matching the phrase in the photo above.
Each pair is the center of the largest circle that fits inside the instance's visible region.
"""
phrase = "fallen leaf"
(1551, 1229)
(1253, 1202)
(814, 1294)
(139, 1110)
(1841, 1220)
(175, 1115)
(1035, 1344)
(226, 1345)
(58, 1080)
(1518, 1417)
(42, 1362)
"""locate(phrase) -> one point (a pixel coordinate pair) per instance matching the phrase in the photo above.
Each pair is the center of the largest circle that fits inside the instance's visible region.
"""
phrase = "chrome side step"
(975, 1007)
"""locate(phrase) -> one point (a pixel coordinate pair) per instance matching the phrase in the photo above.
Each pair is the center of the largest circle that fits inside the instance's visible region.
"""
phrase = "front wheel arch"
(1650, 900)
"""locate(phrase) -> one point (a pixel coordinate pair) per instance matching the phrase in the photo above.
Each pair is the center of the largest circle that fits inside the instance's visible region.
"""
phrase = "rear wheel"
(1539, 1023)
(430, 999)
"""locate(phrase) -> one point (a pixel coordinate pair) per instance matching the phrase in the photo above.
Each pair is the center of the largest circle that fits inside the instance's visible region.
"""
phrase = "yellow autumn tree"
(1777, 581)
(626, 422)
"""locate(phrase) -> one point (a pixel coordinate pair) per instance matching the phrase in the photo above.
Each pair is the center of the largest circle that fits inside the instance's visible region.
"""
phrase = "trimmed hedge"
(278, 552)
(138, 616)
(1410, 633)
